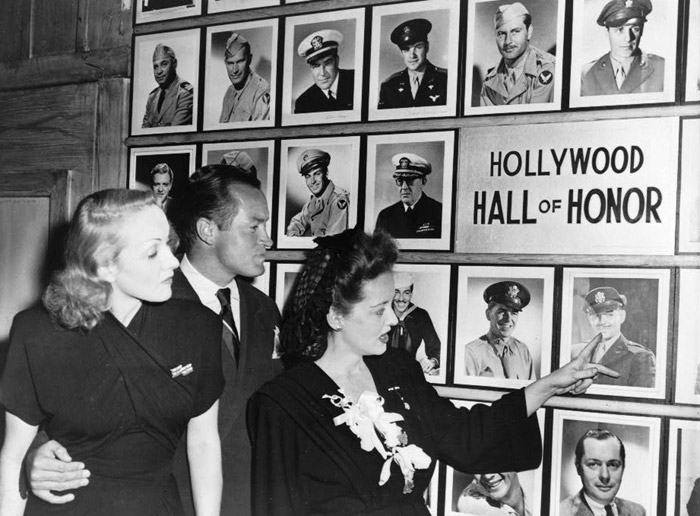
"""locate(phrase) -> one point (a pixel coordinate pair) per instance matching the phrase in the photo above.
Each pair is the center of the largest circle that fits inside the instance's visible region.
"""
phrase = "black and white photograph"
(409, 188)
(285, 277)
(623, 52)
(629, 310)
(421, 304)
(514, 56)
(162, 170)
(413, 71)
(504, 325)
(219, 6)
(158, 10)
(689, 208)
(687, 365)
(318, 189)
(240, 83)
(514, 493)
(166, 76)
(323, 67)
(683, 493)
(692, 68)
(608, 462)
(256, 157)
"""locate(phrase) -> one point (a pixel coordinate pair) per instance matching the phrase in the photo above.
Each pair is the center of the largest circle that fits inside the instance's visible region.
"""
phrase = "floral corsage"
(368, 421)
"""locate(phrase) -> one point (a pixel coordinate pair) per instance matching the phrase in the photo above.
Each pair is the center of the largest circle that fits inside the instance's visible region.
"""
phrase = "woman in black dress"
(353, 427)
(115, 370)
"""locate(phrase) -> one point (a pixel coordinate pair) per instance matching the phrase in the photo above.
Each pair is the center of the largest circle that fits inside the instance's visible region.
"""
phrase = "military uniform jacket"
(423, 221)
(576, 505)
(646, 75)
(416, 327)
(176, 108)
(252, 102)
(320, 216)
(635, 363)
(481, 359)
(313, 100)
(535, 84)
(395, 92)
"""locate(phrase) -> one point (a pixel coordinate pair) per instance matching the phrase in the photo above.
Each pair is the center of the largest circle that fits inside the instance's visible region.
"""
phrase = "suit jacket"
(176, 108)
(424, 222)
(395, 92)
(314, 100)
(258, 332)
(575, 505)
(646, 75)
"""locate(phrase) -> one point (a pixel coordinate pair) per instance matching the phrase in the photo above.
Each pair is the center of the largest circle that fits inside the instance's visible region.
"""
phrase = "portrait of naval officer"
(333, 88)
(415, 214)
(248, 96)
(626, 68)
(525, 74)
(171, 102)
(420, 83)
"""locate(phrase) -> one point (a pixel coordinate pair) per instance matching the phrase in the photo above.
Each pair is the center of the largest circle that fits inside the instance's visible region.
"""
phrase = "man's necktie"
(510, 80)
(224, 297)
(415, 84)
(161, 97)
(505, 354)
(620, 76)
(331, 97)
(609, 511)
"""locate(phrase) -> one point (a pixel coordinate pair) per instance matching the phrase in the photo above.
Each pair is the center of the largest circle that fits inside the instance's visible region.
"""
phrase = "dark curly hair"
(334, 276)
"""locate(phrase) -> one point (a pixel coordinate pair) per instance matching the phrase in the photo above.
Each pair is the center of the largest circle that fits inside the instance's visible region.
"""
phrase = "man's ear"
(334, 319)
(206, 230)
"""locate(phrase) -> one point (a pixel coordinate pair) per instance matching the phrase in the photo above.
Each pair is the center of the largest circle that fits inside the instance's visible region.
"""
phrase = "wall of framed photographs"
(569, 188)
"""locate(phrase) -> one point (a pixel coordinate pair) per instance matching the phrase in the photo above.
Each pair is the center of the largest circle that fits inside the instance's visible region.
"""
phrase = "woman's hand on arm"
(573, 378)
(204, 455)
(18, 436)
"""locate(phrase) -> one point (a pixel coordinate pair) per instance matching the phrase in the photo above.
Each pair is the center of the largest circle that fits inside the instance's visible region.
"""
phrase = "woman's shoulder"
(35, 318)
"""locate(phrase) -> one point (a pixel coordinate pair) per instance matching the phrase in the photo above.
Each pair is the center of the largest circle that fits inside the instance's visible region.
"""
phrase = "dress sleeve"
(210, 382)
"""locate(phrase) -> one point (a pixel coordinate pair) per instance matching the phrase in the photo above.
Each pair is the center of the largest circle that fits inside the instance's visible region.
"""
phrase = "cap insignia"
(406, 29)
(404, 162)
(629, 3)
(600, 296)
(305, 157)
(513, 291)
(317, 42)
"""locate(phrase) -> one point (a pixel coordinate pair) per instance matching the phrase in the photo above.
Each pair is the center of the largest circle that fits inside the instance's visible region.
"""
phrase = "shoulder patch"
(342, 203)
(186, 85)
(545, 77)
(265, 97)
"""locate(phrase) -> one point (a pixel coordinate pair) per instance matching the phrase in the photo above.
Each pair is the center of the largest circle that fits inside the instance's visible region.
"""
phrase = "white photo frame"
(689, 203)
(180, 159)
(683, 467)
(687, 352)
(159, 10)
(219, 6)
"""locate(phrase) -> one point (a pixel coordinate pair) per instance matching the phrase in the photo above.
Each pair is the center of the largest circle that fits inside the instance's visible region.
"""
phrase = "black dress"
(109, 397)
(305, 465)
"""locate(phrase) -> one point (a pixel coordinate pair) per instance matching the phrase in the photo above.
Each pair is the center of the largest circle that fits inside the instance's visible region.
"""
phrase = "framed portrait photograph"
(161, 170)
(514, 56)
(687, 350)
(493, 493)
(432, 493)
(683, 493)
(158, 10)
(628, 308)
(413, 70)
(504, 325)
(692, 68)
(323, 66)
(623, 53)
(219, 6)
(318, 189)
(164, 96)
(604, 460)
(689, 207)
(285, 278)
(409, 188)
(257, 157)
(421, 304)
(240, 83)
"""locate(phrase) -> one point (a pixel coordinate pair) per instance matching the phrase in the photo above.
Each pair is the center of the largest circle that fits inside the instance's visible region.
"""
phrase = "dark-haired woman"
(115, 370)
(353, 427)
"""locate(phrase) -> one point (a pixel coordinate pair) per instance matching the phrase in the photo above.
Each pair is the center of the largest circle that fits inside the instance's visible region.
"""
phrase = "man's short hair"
(210, 193)
(162, 168)
(165, 51)
(600, 435)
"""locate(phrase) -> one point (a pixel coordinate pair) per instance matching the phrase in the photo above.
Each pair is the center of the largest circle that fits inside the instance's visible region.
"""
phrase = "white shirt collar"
(406, 206)
(598, 509)
(333, 88)
(206, 290)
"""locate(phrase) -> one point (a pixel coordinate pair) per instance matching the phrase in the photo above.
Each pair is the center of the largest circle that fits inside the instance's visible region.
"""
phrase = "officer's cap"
(319, 44)
(240, 159)
(617, 12)
(407, 164)
(311, 159)
(512, 294)
(604, 299)
(235, 44)
(509, 12)
(403, 279)
(410, 32)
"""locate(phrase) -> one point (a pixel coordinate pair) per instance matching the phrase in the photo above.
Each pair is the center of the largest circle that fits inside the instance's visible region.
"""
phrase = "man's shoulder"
(430, 203)
(401, 75)
(477, 343)
(251, 293)
(652, 60)
(569, 506)
(602, 62)
(390, 209)
(436, 71)
(628, 508)
(184, 87)
(346, 74)
(258, 82)
(310, 93)
(636, 349)
(545, 60)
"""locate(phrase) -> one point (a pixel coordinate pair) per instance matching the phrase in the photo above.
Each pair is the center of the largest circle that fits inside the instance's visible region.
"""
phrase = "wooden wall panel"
(54, 27)
(14, 30)
(108, 24)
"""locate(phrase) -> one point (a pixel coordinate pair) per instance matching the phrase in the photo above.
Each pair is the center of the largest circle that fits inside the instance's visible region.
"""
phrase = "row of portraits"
(408, 65)
(597, 459)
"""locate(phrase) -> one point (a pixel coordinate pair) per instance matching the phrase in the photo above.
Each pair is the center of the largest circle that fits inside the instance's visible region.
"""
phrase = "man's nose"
(604, 474)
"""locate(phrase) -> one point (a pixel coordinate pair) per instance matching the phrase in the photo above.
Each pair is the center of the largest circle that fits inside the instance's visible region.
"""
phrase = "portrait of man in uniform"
(170, 103)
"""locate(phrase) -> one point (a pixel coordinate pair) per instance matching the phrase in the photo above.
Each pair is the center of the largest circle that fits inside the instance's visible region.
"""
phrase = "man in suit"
(605, 309)
(600, 462)
(221, 219)
(525, 74)
(161, 184)
(421, 83)
(626, 68)
(414, 215)
(171, 102)
(333, 88)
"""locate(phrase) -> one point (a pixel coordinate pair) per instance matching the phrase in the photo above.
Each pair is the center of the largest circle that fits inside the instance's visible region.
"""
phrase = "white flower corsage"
(368, 421)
